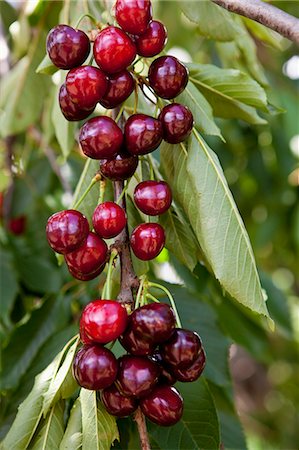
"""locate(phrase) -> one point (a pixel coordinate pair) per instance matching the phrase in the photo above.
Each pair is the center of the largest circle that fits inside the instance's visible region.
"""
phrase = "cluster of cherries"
(158, 355)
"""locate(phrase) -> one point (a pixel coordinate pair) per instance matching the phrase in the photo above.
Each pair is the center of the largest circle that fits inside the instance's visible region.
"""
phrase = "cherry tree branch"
(141, 424)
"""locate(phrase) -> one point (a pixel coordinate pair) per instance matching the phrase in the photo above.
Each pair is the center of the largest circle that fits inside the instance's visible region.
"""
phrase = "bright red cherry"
(100, 137)
(155, 321)
(120, 168)
(90, 256)
(193, 372)
(167, 76)
(137, 375)
(143, 134)
(153, 197)
(85, 276)
(163, 406)
(133, 15)
(135, 345)
(69, 109)
(113, 50)
(116, 404)
(109, 219)
(86, 86)
(95, 367)
(17, 225)
(177, 122)
(166, 374)
(147, 240)
(67, 47)
(67, 230)
(120, 87)
(182, 349)
(152, 41)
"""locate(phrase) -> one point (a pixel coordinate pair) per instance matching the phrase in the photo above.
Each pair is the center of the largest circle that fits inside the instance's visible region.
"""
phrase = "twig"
(140, 420)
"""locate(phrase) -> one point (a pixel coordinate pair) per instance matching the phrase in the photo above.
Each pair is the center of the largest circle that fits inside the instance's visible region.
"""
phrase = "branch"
(140, 420)
(268, 15)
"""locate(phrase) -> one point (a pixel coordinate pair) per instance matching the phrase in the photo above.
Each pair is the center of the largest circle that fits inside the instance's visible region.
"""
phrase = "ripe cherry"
(113, 50)
(135, 345)
(143, 134)
(120, 87)
(67, 47)
(95, 367)
(137, 375)
(177, 121)
(147, 240)
(155, 321)
(153, 197)
(109, 219)
(120, 168)
(69, 109)
(67, 230)
(133, 15)
(86, 86)
(163, 406)
(116, 404)
(85, 276)
(167, 76)
(103, 321)
(193, 372)
(152, 41)
(166, 373)
(182, 349)
(17, 225)
(90, 256)
(100, 137)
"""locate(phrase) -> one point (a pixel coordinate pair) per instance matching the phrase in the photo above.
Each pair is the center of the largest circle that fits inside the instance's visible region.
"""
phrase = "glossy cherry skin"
(67, 230)
(177, 122)
(153, 197)
(155, 321)
(166, 373)
(137, 375)
(120, 87)
(85, 276)
(167, 76)
(116, 404)
(135, 345)
(193, 372)
(163, 406)
(182, 349)
(133, 15)
(86, 86)
(17, 225)
(69, 109)
(147, 240)
(152, 41)
(90, 256)
(100, 137)
(95, 367)
(109, 219)
(67, 47)
(103, 321)
(120, 168)
(113, 50)
(143, 134)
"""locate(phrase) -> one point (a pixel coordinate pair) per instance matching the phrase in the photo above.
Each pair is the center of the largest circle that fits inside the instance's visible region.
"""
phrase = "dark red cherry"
(116, 404)
(90, 256)
(167, 76)
(69, 109)
(113, 50)
(135, 345)
(193, 372)
(100, 137)
(67, 230)
(163, 406)
(166, 373)
(86, 86)
(153, 197)
(85, 276)
(17, 225)
(109, 219)
(155, 321)
(120, 87)
(147, 240)
(152, 41)
(182, 349)
(177, 122)
(137, 375)
(67, 47)
(103, 321)
(143, 134)
(120, 168)
(95, 367)
(133, 15)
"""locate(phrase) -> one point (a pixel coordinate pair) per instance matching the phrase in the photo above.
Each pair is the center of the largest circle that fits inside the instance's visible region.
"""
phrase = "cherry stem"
(139, 292)
(151, 297)
(92, 19)
(107, 289)
(171, 299)
(120, 113)
(89, 187)
(184, 149)
(102, 191)
(150, 163)
(141, 424)
(122, 194)
(135, 99)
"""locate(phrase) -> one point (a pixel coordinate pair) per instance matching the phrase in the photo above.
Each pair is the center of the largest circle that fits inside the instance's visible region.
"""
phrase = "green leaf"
(50, 431)
(99, 427)
(263, 33)
(72, 438)
(91, 200)
(38, 274)
(46, 66)
(8, 286)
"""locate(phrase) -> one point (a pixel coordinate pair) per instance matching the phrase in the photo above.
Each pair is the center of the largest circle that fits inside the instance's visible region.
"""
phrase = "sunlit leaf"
(50, 431)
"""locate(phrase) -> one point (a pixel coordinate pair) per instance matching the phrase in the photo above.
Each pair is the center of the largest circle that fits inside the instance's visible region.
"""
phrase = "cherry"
(90, 256)
(167, 76)
(153, 197)
(163, 406)
(181, 349)
(17, 225)
(137, 375)
(193, 372)
(120, 168)
(85, 276)
(67, 47)
(109, 219)
(116, 404)
(86, 86)
(133, 15)
(152, 41)
(100, 137)
(113, 50)
(143, 134)
(67, 230)
(135, 345)
(147, 240)
(69, 109)
(155, 321)
(166, 374)
(177, 121)
(103, 321)
(94, 367)
(120, 87)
